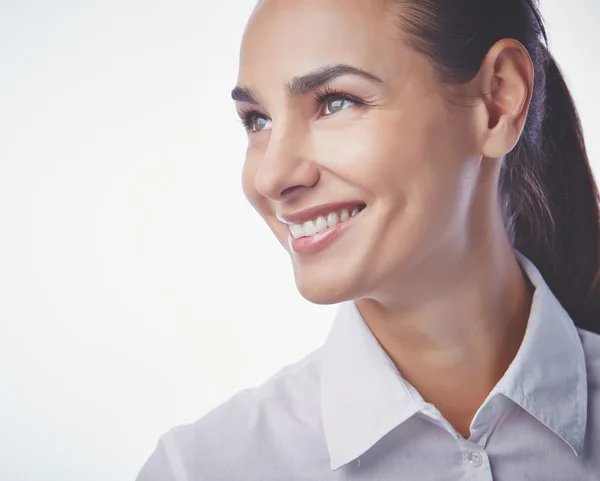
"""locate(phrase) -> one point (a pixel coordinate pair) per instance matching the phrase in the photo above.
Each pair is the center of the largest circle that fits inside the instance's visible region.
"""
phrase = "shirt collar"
(547, 377)
(364, 397)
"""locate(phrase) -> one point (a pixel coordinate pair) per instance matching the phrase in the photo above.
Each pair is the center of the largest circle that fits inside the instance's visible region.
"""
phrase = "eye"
(330, 101)
(337, 103)
(333, 101)
(259, 123)
(254, 121)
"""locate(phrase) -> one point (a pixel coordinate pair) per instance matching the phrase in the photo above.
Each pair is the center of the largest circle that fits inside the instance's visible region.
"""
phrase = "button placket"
(475, 459)
(486, 421)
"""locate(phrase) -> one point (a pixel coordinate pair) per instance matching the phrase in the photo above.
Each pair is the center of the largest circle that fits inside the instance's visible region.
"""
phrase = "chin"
(325, 291)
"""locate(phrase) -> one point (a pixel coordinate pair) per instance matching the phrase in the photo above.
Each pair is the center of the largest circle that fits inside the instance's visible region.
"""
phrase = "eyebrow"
(306, 83)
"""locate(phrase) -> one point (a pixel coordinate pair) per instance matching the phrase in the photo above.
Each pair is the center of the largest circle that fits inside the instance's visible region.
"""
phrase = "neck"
(454, 347)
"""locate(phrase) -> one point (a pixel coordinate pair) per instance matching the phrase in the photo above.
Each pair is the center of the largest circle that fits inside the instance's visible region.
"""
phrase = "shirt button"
(475, 459)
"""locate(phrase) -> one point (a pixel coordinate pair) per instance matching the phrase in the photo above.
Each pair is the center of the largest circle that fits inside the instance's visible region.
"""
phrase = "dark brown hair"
(547, 189)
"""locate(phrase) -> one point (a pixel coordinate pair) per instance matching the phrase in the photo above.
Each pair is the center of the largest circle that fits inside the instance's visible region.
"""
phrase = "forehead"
(286, 38)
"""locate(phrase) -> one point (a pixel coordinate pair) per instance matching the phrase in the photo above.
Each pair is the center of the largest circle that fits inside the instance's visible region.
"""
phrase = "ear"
(505, 81)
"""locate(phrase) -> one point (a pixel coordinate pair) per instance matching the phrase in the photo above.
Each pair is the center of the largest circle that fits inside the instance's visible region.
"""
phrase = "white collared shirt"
(345, 413)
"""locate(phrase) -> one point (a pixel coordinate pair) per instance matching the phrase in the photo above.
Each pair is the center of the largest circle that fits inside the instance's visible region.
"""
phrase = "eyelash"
(321, 96)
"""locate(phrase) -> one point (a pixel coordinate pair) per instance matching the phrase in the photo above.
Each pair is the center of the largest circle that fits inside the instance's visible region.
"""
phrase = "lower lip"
(320, 241)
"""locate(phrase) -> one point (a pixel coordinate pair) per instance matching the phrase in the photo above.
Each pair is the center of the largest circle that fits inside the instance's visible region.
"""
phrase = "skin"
(428, 262)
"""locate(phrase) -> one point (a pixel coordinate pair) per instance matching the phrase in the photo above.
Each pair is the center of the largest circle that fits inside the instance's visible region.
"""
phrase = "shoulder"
(253, 427)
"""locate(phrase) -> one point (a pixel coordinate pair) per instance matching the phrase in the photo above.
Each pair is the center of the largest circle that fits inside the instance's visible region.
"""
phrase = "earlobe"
(507, 80)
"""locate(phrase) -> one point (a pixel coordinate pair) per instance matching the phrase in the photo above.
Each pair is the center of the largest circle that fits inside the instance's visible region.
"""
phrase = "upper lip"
(304, 215)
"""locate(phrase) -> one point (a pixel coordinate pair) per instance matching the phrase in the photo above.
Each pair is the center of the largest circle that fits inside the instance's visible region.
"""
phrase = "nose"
(287, 165)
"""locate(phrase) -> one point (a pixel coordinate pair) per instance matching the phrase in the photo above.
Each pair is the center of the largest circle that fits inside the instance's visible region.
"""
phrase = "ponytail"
(557, 225)
(547, 190)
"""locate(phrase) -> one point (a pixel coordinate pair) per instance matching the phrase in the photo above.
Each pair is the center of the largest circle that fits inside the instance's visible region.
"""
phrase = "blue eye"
(336, 103)
(331, 101)
(260, 123)
(254, 121)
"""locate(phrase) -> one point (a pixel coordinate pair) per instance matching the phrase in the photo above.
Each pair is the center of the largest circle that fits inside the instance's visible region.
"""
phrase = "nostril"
(290, 190)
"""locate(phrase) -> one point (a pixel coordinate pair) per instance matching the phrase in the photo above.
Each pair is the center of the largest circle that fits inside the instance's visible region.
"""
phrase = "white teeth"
(297, 231)
(321, 224)
(309, 228)
(332, 219)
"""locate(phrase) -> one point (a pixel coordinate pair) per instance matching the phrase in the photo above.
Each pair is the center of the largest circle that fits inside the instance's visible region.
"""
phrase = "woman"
(423, 163)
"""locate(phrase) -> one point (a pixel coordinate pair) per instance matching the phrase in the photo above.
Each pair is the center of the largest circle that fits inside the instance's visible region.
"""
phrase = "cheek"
(416, 164)
(248, 182)
(364, 152)
(251, 165)
(383, 152)
(440, 175)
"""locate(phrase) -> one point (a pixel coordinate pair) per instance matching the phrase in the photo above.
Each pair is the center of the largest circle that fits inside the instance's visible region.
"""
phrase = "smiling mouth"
(324, 222)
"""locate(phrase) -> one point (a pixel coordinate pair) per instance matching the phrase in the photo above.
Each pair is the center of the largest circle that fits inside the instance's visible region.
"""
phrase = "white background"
(138, 290)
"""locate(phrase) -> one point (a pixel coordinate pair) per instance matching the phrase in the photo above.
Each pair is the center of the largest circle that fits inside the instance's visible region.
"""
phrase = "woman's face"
(325, 137)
